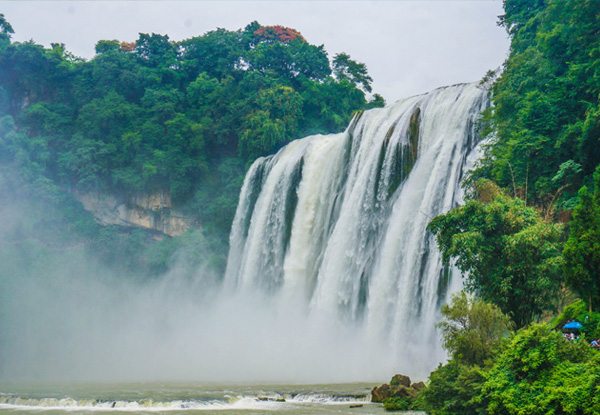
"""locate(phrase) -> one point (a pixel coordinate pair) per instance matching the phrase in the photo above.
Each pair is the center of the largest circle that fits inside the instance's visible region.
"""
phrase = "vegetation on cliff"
(510, 255)
(157, 115)
(527, 237)
(545, 113)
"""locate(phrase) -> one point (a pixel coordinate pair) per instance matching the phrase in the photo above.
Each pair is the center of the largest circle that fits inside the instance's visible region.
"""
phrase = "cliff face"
(154, 211)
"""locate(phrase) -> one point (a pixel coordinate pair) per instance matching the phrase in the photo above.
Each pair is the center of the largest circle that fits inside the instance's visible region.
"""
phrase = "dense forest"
(186, 118)
(528, 237)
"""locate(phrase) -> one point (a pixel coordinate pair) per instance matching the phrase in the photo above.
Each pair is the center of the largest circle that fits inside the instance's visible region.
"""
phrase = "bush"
(398, 404)
(454, 389)
(541, 373)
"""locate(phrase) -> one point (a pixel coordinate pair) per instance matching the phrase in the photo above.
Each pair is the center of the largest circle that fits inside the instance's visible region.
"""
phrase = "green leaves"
(472, 329)
(506, 251)
(158, 115)
(346, 69)
(540, 372)
(582, 250)
(545, 103)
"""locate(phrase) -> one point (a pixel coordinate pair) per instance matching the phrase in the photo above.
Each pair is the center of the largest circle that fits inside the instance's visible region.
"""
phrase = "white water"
(334, 228)
(182, 398)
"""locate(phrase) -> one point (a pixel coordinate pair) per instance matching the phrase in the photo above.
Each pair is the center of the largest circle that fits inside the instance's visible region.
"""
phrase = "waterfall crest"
(334, 226)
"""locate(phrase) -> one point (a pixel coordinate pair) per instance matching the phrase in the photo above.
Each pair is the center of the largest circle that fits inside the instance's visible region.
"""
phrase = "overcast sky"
(409, 47)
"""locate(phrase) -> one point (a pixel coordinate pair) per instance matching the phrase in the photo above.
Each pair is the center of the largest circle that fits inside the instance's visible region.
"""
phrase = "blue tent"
(574, 325)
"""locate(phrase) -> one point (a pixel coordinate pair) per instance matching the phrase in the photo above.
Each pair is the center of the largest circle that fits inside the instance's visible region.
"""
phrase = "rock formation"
(149, 211)
(399, 387)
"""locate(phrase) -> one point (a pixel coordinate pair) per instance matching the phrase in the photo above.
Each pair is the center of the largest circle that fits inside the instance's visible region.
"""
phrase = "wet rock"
(400, 380)
(379, 394)
(399, 387)
(418, 386)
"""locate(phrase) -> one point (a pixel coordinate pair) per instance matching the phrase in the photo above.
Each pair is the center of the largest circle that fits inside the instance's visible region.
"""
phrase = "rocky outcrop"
(399, 387)
(154, 211)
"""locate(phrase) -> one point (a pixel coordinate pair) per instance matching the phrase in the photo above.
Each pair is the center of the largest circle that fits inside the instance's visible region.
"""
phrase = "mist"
(64, 316)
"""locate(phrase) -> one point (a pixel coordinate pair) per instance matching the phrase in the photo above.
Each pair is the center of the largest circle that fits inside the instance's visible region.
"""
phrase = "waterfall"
(333, 226)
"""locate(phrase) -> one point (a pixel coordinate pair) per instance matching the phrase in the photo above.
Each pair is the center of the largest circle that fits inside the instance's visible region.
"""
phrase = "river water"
(173, 398)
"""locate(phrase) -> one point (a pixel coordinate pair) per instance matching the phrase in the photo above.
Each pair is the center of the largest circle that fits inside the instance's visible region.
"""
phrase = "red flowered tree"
(278, 33)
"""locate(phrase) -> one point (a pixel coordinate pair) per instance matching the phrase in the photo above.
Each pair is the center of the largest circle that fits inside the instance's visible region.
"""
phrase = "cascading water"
(334, 226)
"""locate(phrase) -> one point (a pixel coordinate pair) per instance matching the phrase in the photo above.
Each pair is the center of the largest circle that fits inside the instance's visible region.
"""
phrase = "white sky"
(409, 47)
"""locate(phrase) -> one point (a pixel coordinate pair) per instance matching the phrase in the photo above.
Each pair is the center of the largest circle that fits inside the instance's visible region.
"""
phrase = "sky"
(409, 47)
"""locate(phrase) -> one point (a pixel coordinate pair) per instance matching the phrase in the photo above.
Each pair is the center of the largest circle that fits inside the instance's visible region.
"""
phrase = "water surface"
(173, 398)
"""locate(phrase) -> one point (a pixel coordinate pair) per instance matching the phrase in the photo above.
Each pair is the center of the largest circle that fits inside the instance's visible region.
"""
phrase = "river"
(187, 398)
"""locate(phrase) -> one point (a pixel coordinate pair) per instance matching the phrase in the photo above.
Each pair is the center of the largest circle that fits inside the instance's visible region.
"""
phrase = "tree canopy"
(582, 250)
(509, 255)
(545, 108)
(158, 115)
(472, 329)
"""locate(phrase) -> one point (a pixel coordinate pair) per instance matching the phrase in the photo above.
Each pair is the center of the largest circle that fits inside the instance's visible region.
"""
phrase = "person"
(595, 344)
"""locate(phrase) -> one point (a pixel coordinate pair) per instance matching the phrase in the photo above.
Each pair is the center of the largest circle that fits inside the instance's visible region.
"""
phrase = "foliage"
(542, 373)
(506, 251)
(545, 108)
(472, 329)
(398, 404)
(543, 146)
(276, 34)
(183, 117)
(452, 389)
(582, 250)
(473, 333)
(536, 372)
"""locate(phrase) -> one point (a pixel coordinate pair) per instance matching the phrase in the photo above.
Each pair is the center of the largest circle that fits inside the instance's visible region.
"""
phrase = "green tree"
(539, 372)
(346, 69)
(272, 124)
(545, 108)
(156, 115)
(454, 388)
(582, 250)
(472, 329)
(507, 252)
(5, 28)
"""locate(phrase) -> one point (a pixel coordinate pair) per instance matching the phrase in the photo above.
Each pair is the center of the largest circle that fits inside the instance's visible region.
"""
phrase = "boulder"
(418, 386)
(381, 393)
(399, 387)
(400, 380)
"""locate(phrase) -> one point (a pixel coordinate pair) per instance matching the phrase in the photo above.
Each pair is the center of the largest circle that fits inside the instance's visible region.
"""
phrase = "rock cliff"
(399, 387)
(150, 211)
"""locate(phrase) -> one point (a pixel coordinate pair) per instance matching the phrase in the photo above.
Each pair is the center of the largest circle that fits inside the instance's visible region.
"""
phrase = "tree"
(582, 250)
(546, 108)
(155, 115)
(5, 28)
(540, 373)
(346, 69)
(472, 328)
(506, 251)
(272, 124)
(106, 46)
(277, 33)
(155, 50)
